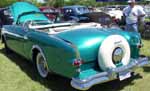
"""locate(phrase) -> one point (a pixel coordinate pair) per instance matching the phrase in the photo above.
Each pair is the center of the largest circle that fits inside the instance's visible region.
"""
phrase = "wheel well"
(35, 51)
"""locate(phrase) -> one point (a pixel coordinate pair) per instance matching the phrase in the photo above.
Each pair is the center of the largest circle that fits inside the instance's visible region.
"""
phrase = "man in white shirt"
(133, 13)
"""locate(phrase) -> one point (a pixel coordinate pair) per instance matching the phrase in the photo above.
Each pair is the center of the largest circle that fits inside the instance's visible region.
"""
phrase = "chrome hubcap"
(117, 55)
(42, 66)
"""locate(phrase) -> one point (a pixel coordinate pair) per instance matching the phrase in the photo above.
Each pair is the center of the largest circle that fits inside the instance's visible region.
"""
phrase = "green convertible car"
(87, 53)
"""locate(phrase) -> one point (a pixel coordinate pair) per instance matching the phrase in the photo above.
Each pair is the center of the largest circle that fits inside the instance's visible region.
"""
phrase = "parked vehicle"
(115, 11)
(49, 12)
(99, 17)
(86, 53)
(74, 12)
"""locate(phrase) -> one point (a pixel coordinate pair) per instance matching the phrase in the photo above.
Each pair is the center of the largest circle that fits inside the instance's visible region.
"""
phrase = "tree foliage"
(4, 3)
(60, 3)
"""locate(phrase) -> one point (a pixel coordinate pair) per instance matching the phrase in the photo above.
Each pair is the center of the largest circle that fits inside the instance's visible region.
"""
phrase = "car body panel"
(92, 38)
(85, 40)
(50, 46)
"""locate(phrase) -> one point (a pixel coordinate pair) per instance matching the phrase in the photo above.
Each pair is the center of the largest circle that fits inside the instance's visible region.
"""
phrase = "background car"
(103, 19)
(86, 53)
(49, 12)
(99, 17)
(115, 11)
(74, 12)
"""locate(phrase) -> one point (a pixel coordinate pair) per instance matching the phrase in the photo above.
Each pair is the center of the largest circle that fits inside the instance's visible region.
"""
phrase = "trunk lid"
(87, 41)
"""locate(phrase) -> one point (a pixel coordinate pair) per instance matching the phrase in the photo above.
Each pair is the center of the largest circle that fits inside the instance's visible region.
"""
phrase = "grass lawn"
(17, 74)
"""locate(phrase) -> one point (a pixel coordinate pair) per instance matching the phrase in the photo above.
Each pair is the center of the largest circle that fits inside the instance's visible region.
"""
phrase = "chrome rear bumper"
(84, 84)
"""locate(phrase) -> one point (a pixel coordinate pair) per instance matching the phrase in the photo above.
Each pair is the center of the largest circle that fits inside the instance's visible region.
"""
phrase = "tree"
(4, 3)
(55, 3)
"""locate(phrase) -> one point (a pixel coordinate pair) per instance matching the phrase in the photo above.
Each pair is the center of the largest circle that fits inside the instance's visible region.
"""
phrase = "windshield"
(32, 16)
(82, 10)
(24, 11)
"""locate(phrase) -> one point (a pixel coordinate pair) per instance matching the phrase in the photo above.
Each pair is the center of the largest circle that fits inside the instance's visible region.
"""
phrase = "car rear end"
(101, 59)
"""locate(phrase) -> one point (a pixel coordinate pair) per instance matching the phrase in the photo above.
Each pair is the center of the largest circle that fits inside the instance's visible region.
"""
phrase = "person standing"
(134, 14)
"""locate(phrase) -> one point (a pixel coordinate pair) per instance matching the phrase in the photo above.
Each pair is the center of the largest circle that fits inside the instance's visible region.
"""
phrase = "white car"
(115, 11)
(117, 14)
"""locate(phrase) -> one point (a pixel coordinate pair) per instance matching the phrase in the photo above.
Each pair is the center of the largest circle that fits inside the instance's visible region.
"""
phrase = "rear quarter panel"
(58, 53)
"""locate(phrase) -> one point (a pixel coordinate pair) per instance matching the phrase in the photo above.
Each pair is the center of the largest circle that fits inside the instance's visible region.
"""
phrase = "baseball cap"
(131, 1)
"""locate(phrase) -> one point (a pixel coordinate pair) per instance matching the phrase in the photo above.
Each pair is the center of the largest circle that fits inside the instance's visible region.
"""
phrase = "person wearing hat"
(134, 14)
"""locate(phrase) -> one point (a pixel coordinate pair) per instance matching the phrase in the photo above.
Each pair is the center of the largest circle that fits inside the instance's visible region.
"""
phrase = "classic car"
(48, 11)
(115, 11)
(98, 17)
(86, 53)
(74, 12)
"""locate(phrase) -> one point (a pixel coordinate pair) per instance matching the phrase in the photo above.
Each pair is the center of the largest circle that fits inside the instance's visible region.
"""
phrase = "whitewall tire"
(110, 47)
(41, 65)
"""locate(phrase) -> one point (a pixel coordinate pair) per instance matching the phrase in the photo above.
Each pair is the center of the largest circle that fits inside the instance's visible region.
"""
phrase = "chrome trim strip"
(91, 78)
(50, 25)
(13, 34)
(84, 84)
(39, 48)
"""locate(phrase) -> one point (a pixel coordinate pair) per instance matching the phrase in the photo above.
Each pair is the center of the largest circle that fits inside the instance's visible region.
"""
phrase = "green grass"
(18, 74)
(146, 48)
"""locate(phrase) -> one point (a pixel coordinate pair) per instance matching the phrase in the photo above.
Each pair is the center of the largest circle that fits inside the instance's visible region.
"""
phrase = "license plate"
(124, 75)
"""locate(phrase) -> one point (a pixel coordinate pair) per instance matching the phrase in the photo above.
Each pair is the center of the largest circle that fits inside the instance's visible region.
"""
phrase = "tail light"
(77, 62)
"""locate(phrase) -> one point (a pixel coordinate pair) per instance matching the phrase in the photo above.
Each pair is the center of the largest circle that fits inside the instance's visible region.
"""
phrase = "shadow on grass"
(147, 68)
(115, 85)
(59, 83)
